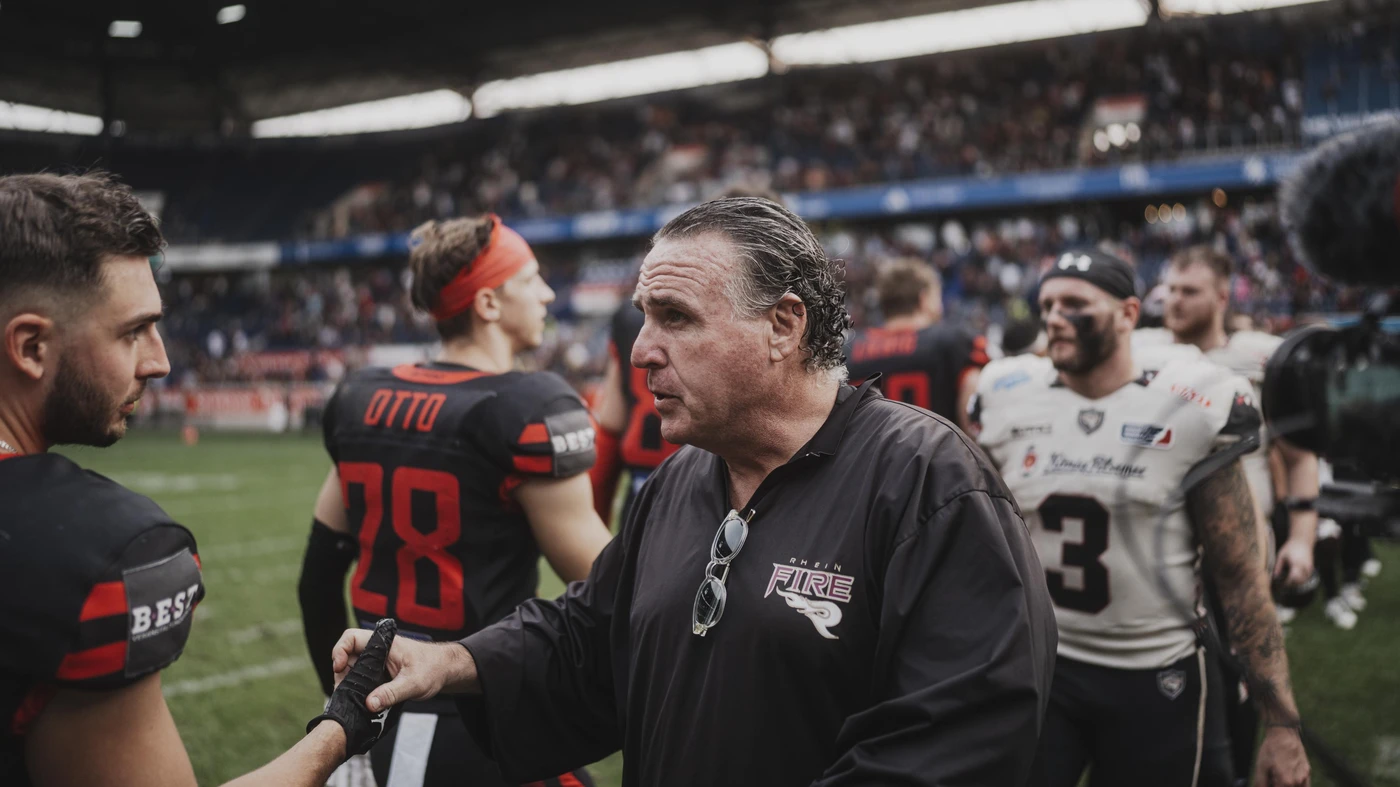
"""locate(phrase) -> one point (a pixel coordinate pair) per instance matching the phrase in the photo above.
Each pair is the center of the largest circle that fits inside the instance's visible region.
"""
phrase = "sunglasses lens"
(733, 532)
(709, 604)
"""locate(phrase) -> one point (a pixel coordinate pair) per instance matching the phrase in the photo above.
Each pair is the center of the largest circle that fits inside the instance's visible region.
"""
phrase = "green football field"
(244, 689)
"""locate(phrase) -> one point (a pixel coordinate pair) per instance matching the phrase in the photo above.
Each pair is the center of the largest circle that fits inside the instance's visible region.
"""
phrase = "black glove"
(346, 706)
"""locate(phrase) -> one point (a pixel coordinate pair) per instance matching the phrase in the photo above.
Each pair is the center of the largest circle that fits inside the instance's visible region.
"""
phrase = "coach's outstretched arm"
(1225, 516)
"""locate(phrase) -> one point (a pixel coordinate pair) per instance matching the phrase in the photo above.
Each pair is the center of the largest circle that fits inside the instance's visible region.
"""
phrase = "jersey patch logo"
(1190, 394)
(1028, 462)
(1100, 464)
(161, 597)
(1009, 381)
(571, 437)
(1171, 682)
(1090, 420)
(1146, 435)
(813, 593)
(1033, 430)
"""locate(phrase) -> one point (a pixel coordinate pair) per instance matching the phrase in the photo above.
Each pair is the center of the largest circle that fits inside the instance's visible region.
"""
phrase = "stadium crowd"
(1141, 95)
(988, 267)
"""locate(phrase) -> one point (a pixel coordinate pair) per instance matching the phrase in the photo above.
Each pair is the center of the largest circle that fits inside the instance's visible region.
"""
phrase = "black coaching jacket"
(887, 621)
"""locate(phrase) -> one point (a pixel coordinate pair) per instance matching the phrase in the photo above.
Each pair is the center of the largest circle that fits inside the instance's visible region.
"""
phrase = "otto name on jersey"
(1095, 479)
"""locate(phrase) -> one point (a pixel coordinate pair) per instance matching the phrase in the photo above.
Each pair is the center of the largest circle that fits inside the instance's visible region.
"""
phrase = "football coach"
(824, 587)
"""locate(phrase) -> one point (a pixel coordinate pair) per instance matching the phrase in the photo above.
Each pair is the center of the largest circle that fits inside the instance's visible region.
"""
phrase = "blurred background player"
(450, 480)
(924, 362)
(629, 428)
(98, 585)
(1023, 337)
(1197, 305)
(1093, 441)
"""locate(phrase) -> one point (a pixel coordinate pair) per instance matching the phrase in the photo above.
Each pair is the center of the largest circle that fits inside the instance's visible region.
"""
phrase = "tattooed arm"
(1225, 516)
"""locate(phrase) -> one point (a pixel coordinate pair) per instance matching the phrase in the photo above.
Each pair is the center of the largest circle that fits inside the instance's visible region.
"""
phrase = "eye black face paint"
(1092, 344)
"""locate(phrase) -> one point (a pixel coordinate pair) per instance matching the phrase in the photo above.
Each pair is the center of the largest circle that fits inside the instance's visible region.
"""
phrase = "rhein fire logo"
(812, 593)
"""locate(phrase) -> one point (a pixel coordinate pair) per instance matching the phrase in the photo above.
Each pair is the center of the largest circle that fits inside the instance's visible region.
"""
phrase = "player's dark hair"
(1218, 262)
(57, 230)
(438, 250)
(900, 285)
(780, 255)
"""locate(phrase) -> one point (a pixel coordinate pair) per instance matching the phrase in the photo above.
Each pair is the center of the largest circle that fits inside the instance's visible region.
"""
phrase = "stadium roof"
(183, 71)
(214, 67)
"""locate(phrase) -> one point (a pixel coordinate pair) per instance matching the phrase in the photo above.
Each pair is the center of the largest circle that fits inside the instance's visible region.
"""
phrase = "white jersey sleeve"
(1246, 354)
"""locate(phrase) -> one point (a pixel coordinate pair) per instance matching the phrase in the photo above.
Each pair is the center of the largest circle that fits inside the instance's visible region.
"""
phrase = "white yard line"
(254, 548)
(277, 628)
(253, 576)
(302, 501)
(237, 677)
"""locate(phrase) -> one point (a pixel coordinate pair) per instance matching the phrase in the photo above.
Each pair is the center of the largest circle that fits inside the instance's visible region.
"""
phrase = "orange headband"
(505, 254)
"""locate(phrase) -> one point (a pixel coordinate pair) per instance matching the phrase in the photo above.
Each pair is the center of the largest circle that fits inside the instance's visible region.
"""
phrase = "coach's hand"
(420, 670)
(1282, 761)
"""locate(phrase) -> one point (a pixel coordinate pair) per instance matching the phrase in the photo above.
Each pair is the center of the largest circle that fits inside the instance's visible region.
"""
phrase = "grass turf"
(243, 690)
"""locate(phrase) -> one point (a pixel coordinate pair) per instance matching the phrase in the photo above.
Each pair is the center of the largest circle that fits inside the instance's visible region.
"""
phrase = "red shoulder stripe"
(105, 599)
(417, 374)
(93, 662)
(197, 563)
(533, 433)
(30, 707)
(534, 464)
(569, 780)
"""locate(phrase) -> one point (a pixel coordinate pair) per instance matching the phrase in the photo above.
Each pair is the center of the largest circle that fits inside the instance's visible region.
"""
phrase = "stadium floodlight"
(23, 117)
(124, 28)
(419, 110)
(1204, 7)
(230, 14)
(710, 65)
(951, 31)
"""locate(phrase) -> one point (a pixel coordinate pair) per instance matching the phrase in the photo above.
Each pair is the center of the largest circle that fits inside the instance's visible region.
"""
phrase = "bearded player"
(450, 480)
(98, 585)
(925, 363)
(1280, 474)
(1093, 441)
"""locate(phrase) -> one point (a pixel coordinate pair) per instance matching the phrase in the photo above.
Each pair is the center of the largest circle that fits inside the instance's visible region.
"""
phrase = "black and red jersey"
(428, 457)
(642, 445)
(642, 448)
(97, 590)
(921, 367)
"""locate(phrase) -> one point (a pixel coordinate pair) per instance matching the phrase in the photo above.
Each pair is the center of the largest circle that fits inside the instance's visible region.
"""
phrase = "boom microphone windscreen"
(1341, 207)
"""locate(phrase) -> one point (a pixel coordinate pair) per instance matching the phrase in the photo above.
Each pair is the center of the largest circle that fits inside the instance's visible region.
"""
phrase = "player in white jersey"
(1095, 444)
(1198, 299)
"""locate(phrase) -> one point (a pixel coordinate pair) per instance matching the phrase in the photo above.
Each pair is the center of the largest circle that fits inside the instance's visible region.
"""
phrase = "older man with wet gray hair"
(823, 587)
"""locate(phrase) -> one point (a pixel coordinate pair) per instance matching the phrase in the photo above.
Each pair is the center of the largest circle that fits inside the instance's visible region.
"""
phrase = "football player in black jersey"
(450, 479)
(629, 428)
(924, 362)
(98, 585)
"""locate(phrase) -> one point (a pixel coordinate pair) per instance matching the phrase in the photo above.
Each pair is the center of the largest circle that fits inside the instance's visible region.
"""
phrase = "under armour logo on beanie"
(1105, 271)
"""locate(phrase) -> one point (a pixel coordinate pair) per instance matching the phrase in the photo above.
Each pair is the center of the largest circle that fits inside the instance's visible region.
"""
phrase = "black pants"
(434, 750)
(1145, 728)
